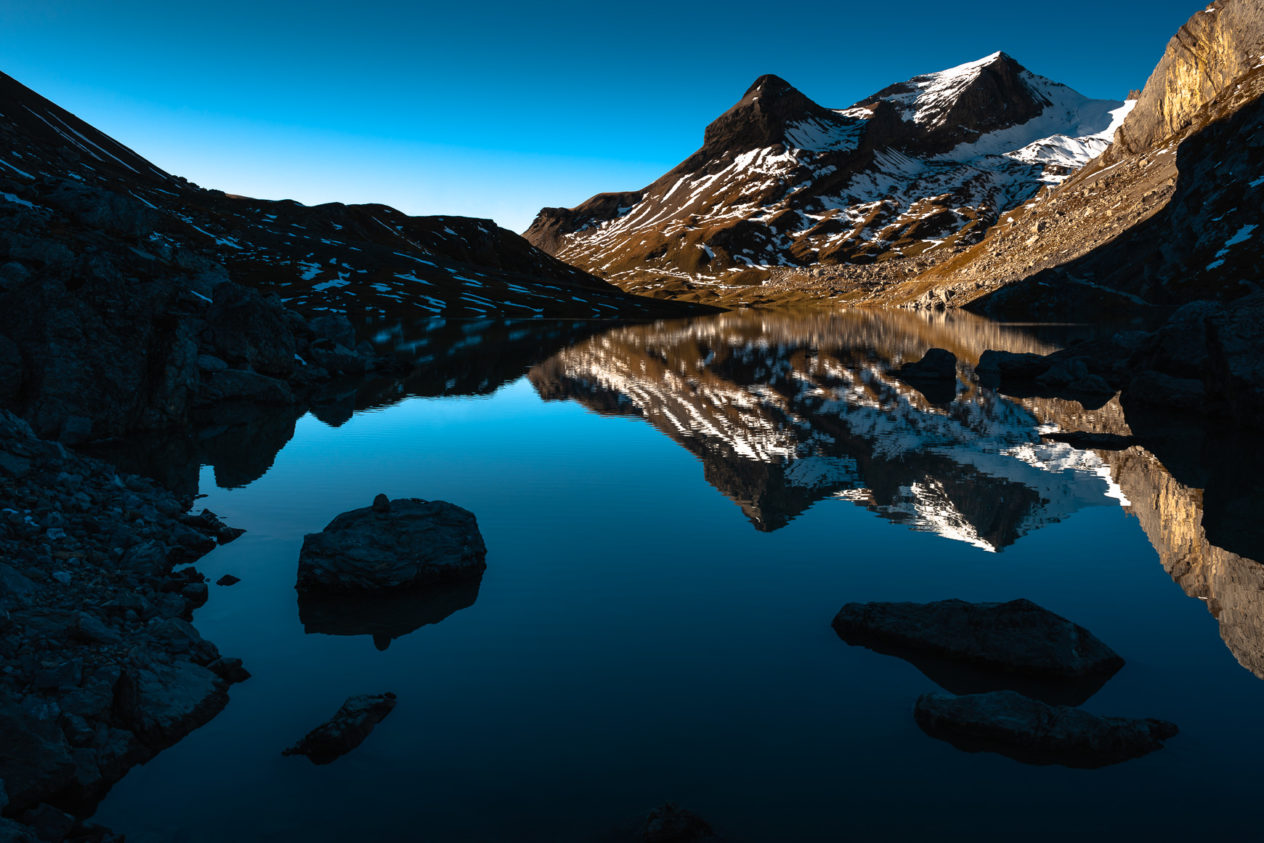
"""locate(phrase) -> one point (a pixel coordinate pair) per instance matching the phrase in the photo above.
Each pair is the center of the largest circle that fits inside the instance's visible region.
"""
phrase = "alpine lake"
(674, 512)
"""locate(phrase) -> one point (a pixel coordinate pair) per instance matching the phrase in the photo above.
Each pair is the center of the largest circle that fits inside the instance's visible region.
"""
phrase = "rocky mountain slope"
(913, 172)
(130, 299)
(1171, 214)
(361, 259)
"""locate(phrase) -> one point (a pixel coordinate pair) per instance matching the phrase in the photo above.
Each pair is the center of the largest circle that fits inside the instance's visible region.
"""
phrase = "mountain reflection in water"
(785, 410)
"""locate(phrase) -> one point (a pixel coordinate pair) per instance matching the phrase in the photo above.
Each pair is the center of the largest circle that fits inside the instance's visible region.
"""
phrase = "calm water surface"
(674, 513)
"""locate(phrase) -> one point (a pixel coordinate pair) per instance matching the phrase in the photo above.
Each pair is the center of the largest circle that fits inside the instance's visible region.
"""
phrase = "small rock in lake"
(671, 824)
(1017, 637)
(937, 364)
(413, 543)
(935, 375)
(346, 730)
(228, 579)
(1034, 732)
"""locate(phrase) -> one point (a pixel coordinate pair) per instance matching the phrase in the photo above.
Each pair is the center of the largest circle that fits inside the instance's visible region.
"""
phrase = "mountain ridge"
(1171, 204)
(367, 258)
(782, 182)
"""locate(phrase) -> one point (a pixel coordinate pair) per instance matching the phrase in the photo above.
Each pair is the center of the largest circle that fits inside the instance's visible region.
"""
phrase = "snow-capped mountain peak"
(782, 182)
(926, 99)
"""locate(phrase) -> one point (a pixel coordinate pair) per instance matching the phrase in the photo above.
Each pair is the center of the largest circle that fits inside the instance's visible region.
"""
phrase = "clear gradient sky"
(495, 109)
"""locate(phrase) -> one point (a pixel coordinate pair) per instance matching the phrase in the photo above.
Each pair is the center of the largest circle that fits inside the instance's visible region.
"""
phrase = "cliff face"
(1213, 49)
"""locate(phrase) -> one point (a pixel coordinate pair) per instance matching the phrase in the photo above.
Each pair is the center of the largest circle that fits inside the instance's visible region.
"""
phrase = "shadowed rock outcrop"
(102, 669)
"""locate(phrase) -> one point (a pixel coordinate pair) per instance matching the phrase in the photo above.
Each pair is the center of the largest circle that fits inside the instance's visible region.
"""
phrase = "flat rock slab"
(346, 730)
(390, 545)
(1017, 637)
(1034, 732)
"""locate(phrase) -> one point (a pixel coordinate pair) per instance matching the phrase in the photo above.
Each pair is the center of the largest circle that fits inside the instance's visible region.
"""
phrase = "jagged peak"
(770, 85)
(761, 116)
(999, 57)
(959, 104)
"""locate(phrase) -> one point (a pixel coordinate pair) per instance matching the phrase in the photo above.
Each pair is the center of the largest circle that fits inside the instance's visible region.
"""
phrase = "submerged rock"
(346, 730)
(392, 544)
(1034, 732)
(671, 824)
(1017, 637)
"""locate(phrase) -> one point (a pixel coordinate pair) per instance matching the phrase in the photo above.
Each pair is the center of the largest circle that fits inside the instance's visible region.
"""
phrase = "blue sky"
(495, 109)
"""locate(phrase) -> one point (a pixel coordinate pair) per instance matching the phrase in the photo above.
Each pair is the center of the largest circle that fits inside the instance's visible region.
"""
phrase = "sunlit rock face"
(1215, 47)
(785, 410)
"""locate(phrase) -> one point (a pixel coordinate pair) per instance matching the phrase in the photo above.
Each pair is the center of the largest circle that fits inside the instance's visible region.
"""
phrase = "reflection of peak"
(786, 411)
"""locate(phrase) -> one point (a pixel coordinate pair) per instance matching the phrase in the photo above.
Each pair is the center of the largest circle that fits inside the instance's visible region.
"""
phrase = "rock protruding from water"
(935, 375)
(1034, 732)
(1017, 637)
(346, 730)
(390, 545)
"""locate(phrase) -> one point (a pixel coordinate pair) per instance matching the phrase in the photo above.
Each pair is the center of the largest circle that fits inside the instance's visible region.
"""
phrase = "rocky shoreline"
(1203, 361)
(102, 668)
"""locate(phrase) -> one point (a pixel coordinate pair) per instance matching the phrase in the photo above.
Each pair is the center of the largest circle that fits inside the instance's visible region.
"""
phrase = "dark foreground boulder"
(1034, 732)
(392, 544)
(1017, 637)
(346, 730)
